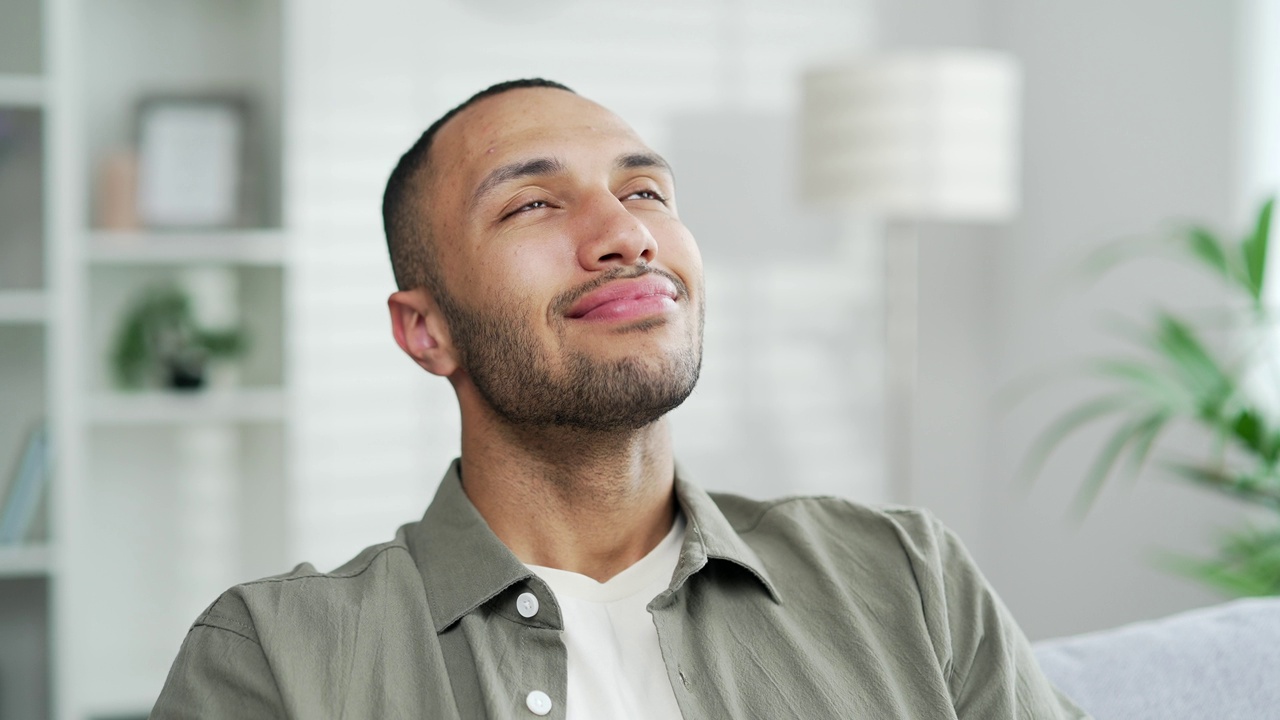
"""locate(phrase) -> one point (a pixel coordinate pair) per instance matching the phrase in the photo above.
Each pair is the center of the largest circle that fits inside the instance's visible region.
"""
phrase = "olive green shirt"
(795, 608)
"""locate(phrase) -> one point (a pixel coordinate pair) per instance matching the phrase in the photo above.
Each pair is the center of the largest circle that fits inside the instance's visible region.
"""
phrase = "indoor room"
(1002, 261)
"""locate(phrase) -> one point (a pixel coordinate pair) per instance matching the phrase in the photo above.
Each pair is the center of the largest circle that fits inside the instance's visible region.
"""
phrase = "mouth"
(631, 299)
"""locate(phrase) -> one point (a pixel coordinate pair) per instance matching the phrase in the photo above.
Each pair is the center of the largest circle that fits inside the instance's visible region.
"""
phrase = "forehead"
(526, 122)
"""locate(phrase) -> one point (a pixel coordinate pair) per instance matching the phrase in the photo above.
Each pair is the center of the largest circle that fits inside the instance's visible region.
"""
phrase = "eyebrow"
(640, 161)
(537, 167)
(544, 166)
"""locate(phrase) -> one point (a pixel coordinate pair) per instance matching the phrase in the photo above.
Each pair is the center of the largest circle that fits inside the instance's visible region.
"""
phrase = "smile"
(626, 300)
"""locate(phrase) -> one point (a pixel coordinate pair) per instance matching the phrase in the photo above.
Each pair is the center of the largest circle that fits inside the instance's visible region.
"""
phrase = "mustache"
(568, 299)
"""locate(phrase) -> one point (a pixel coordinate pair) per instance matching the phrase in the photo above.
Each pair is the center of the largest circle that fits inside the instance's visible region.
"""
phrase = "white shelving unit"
(250, 405)
(242, 247)
(21, 90)
(159, 499)
(19, 307)
(25, 561)
(27, 570)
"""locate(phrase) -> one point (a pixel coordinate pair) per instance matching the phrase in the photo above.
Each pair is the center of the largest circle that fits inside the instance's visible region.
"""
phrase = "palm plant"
(1176, 377)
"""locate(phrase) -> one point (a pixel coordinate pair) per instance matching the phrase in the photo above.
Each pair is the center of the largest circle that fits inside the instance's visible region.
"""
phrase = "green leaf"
(1223, 576)
(1144, 439)
(1064, 426)
(222, 343)
(1248, 428)
(1116, 252)
(1247, 563)
(1193, 363)
(1206, 247)
(159, 328)
(1102, 465)
(1149, 381)
(1254, 252)
(1272, 456)
(1242, 486)
(129, 359)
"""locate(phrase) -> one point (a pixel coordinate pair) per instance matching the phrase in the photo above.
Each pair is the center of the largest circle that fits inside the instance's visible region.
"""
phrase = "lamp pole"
(909, 137)
(902, 328)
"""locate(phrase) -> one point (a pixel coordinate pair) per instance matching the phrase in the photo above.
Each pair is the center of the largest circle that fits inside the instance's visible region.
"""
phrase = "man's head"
(404, 216)
(541, 263)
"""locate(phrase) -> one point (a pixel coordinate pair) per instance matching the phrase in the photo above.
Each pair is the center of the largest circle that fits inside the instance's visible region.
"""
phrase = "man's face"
(573, 291)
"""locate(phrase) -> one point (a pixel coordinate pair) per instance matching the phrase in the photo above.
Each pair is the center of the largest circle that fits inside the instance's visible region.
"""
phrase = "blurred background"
(198, 385)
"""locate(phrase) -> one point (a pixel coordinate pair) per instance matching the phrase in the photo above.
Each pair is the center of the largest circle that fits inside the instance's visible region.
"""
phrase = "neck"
(587, 502)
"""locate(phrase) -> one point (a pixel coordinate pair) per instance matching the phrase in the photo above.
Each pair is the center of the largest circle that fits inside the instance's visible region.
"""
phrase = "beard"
(517, 379)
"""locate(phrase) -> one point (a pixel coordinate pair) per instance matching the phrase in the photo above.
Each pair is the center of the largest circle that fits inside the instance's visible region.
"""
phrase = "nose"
(610, 236)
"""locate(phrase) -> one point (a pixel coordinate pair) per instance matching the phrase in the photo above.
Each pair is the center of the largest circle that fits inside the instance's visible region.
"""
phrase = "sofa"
(1217, 663)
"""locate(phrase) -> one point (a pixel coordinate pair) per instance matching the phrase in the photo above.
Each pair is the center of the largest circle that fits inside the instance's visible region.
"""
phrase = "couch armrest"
(1221, 662)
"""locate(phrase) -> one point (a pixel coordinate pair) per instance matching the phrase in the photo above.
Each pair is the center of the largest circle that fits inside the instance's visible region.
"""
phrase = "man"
(565, 568)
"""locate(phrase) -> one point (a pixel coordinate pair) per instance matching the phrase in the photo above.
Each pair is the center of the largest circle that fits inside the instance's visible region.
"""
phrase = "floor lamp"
(911, 137)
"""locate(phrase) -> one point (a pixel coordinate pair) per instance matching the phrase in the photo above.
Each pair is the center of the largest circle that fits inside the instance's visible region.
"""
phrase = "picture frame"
(191, 161)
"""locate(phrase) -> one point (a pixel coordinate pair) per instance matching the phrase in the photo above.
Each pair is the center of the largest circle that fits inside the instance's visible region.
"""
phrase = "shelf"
(22, 561)
(21, 90)
(228, 247)
(22, 307)
(187, 408)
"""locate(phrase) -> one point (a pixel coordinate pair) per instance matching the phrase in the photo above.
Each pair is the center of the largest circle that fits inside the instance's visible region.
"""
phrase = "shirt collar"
(710, 536)
(464, 565)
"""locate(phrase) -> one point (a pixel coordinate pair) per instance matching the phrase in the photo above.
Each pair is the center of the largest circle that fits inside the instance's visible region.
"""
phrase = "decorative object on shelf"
(1179, 378)
(191, 153)
(912, 136)
(160, 342)
(118, 192)
(18, 513)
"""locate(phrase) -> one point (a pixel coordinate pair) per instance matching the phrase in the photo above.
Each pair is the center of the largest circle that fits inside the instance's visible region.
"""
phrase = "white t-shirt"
(614, 662)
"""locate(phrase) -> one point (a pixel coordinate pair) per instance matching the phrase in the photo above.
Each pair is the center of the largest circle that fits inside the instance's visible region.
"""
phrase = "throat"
(595, 510)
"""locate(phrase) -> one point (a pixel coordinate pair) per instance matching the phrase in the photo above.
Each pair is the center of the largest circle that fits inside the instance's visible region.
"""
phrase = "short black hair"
(413, 253)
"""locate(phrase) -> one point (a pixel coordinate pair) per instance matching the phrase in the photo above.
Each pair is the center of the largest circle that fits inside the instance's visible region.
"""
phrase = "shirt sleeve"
(221, 671)
(991, 671)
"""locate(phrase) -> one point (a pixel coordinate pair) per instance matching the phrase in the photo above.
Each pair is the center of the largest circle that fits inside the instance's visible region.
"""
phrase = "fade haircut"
(404, 214)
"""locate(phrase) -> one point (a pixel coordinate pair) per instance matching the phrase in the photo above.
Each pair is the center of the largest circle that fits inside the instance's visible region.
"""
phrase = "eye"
(527, 207)
(646, 195)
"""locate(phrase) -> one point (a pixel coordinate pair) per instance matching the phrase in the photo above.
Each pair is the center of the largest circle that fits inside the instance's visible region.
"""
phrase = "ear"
(421, 332)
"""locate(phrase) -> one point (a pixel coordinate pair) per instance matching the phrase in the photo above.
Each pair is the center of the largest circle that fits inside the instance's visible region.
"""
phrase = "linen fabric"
(613, 654)
(792, 608)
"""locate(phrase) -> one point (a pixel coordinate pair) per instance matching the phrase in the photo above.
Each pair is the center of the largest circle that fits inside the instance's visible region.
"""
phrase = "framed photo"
(191, 155)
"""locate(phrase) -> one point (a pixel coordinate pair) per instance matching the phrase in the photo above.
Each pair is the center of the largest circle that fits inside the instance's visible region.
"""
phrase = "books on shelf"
(18, 513)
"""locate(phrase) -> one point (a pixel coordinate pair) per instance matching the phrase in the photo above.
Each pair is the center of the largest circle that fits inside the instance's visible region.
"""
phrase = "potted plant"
(160, 343)
(1177, 377)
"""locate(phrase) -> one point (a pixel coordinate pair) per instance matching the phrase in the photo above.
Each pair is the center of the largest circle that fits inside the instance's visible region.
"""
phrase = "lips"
(622, 299)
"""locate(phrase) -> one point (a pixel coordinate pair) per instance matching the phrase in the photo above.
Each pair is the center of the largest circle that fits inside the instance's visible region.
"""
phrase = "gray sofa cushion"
(1221, 662)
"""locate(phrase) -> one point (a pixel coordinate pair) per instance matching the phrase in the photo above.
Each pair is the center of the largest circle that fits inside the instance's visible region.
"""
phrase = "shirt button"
(527, 605)
(538, 702)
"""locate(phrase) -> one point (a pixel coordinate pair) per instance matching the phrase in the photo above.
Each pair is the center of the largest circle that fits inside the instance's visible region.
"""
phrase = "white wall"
(1130, 122)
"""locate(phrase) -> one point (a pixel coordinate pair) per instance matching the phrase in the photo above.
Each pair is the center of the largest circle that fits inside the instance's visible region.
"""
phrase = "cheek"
(524, 279)
(679, 251)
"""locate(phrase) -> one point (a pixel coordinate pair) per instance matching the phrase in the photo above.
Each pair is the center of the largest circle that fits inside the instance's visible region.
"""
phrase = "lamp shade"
(922, 135)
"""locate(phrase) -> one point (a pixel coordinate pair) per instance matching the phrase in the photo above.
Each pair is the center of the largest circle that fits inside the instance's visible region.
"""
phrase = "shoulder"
(915, 564)
(310, 641)
(836, 521)
(904, 549)
(261, 610)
